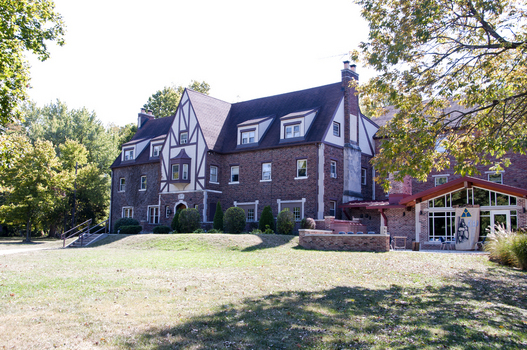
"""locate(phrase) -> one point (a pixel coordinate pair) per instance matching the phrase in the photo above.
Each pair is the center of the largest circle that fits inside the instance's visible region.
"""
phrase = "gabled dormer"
(132, 149)
(156, 146)
(294, 126)
(252, 131)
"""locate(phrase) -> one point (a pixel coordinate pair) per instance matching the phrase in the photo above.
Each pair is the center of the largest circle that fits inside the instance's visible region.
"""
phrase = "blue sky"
(118, 53)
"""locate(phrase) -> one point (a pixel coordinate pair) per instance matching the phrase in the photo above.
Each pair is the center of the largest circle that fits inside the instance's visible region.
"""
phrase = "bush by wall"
(308, 224)
(175, 221)
(124, 222)
(285, 222)
(267, 219)
(162, 229)
(218, 218)
(234, 220)
(130, 229)
(189, 220)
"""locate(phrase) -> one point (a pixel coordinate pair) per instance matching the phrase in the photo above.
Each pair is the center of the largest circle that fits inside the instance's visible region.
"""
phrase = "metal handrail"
(64, 238)
(102, 228)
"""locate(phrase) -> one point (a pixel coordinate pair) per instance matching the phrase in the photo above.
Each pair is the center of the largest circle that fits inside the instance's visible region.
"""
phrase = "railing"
(64, 238)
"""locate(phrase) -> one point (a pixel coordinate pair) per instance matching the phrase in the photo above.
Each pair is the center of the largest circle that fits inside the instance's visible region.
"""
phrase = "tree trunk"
(53, 231)
(28, 232)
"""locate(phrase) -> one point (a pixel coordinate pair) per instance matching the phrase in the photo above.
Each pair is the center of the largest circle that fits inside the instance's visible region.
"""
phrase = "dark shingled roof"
(323, 98)
(151, 129)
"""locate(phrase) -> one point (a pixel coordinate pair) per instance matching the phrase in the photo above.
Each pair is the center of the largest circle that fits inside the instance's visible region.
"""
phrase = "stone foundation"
(327, 240)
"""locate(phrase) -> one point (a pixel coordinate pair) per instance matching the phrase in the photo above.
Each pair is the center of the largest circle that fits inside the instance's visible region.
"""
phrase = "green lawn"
(255, 292)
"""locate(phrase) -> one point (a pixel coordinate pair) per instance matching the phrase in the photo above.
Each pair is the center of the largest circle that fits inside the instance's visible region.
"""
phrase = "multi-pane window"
(301, 168)
(156, 150)
(296, 213)
(128, 212)
(333, 169)
(167, 211)
(184, 175)
(247, 137)
(440, 180)
(250, 214)
(441, 226)
(183, 137)
(235, 172)
(336, 129)
(175, 171)
(292, 131)
(332, 208)
(122, 184)
(266, 171)
(153, 215)
(363, 176)
(129, 154)
(497, 178)
(143, 183)
(213, 174)
(472, 196)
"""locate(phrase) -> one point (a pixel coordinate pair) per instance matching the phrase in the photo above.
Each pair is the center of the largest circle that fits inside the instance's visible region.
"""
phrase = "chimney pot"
(149, 112)
(143, 110)
(346, 64)
(353, 67)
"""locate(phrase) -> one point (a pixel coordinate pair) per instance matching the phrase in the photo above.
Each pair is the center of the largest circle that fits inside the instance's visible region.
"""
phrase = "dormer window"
(129, 154)
(247, 137)
(180, 166)
(156, 150)
(292, 131)
(183, 138)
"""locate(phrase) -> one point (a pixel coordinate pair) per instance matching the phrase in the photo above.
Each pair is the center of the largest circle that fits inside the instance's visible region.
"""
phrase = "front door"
(500, 217)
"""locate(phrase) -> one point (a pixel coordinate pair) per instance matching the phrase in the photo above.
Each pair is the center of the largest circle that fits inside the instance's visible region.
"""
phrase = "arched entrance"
(181, 206)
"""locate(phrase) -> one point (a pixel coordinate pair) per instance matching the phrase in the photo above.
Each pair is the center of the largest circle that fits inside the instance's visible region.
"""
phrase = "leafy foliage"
(161, 229)
(26, 27)
(308, 223)
(234, 220)
(175, 221)
(267, 219)
(218, 218)
(189, 220)
(454, 72)
(163, 103)
(507, 247)
(125, 222)
(285, 222)
(130, 229)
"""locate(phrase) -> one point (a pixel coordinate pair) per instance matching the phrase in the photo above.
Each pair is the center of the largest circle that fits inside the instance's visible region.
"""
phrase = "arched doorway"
(180, 206)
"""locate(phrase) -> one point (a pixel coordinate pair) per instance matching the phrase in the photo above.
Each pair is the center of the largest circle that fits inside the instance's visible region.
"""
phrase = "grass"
(255, 292)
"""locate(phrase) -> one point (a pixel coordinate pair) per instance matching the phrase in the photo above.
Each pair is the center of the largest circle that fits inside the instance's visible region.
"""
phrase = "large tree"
(26, 26)
(455, 72)
(163, 103)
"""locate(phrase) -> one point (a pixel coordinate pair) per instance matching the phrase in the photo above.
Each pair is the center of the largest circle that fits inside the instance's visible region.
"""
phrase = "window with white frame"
(214, 174)
(143, 183)
(266, 171)
(247, 137)
(153, 214)
(128, 212)
(250, 214)
(175, 171)
(167, 211)
(497, 178)
(336, 129)
(301, 168)
(332, 208)
(156, 150)
(363, 178)
(333, 169)
(297, 213)
(122, 184)
(292, 131)
(184, 175)
(183, 138)
(129, 154)
(235, 172)
(440, 180)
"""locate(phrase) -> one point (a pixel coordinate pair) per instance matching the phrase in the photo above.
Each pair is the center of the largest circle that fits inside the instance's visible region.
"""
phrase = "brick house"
(286, 151)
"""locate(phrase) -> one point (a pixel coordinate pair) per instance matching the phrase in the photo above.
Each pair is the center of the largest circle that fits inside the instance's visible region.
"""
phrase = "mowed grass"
(255, 292)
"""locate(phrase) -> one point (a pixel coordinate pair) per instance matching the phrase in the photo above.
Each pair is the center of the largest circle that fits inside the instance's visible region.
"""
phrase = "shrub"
(234, 220)
(218, 218)
(256, 231)
(214, 231)
(199, 230)
(308, 224)
(189, 220)
(268, 230)
(285, 222)
(519, 250)
(498, 246)
(175, 221)
(267, 219)
(125, 222)
(130, 229)
(162, 229)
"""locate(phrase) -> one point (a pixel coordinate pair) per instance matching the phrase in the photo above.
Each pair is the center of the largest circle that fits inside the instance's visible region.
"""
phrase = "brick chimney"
(143, 117)
(351, 103)
(399, 189)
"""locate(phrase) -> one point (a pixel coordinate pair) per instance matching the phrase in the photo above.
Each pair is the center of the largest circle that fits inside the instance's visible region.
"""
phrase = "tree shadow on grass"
(111, 238)
(466, 315)
(270, 241)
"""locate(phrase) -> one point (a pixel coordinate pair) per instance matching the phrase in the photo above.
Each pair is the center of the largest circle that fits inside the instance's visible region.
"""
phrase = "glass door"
(500, 217)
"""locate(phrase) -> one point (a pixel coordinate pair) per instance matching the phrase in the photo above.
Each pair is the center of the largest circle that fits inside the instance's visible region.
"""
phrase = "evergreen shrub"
(267, 219)
(189, 220)
(130, 229)
(285, 222)
(162, 229)
(218, 218)
(234, 220)
(125, 222)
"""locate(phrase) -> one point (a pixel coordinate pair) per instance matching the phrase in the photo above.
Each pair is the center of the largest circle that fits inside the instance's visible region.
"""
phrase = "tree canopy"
(455, 72)
(26, 26)
(164, 102)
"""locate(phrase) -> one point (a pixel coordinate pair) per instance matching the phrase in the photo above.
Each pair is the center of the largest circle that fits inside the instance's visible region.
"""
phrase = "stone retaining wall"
(327, 240)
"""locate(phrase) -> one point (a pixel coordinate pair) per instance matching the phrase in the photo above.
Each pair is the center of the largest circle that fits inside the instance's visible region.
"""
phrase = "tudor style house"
(307, 150)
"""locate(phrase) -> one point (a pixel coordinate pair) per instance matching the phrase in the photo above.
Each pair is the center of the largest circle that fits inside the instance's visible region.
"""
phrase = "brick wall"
(402, 225)
(325, 240)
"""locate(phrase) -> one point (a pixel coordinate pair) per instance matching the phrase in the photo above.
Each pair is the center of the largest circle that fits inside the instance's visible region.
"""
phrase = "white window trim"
(501, 172)
(127, 207)
(333, 175)
(333, 128)
(149, 217)
(160, 145)
(365, 171)
(440, 175)
(141, 183)
(300, 177)
(210, 175)
(303, 201)
(180, 134)
(230, 176)
(120, 188)
(248, 133)
(255, 203)
(262, 172)
(335, 210)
